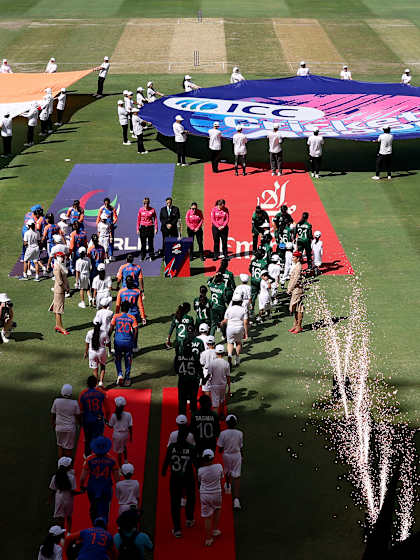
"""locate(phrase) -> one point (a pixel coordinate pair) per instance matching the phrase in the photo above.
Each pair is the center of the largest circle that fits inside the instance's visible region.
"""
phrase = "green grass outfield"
(292, 507)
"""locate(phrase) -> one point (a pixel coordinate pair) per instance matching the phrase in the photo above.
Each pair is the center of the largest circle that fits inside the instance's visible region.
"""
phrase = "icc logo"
(176, 249)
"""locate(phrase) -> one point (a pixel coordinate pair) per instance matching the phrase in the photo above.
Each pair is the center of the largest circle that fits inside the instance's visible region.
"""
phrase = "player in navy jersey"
(125, 327)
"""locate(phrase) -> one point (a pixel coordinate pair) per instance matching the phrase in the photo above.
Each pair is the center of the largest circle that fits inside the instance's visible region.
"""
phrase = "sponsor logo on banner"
(334, 114)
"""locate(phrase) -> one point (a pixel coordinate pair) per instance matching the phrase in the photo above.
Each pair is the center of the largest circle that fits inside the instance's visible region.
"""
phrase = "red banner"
(244, 193)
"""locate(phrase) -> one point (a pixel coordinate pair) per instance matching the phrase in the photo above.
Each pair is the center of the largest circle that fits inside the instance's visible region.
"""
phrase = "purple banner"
(126, 184)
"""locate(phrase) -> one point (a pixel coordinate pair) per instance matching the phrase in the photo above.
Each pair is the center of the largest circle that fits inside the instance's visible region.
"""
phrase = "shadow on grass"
(22, 336)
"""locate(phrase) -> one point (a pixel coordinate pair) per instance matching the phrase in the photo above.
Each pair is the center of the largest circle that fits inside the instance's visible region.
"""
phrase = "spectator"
(230, 444)
(210, 476)
(98, 474)
(236, 76)
(129, 541)
(63, 488)
(215, 146)
(205, 424)
(194, 220)
(94, 409)
(6, 134)
(181, 459)
(65, 417)
(50, 548)
(220, 228)
(94, 543)
(127, 491)
(239, 141)
(169, 218)
(218, 379)
(147, 227)
(122, 424)
(51, 67)
(180, 140)
(96, 342)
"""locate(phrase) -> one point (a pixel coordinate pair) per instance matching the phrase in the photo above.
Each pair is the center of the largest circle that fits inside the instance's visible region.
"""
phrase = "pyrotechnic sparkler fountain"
(362, 426)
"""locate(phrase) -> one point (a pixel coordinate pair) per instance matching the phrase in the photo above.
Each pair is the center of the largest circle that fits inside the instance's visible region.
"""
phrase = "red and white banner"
(244, 193)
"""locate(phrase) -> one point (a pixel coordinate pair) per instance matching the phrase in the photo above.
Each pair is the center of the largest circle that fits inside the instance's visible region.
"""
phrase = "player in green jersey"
(260, 222)
(257, 265)
(281, 220)
(190, 372)
(266, 245)
(219, 302)
(180, 323)
(304, 237)
(202, 307)
(228, 279)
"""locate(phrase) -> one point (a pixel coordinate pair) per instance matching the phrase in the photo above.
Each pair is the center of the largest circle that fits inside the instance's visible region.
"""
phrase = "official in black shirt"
(169, 217)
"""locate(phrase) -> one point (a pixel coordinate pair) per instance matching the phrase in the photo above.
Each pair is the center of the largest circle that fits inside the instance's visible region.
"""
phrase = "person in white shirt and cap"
(236, 321)
(317, 246)
(244, 291)
(5, 68)
(123, 120)
(32, 115)
(303, 70)
(129, 104)
(236, 76)
(315, 145)
(180, 140)
(140, 99)
(182, 423)
(61, 105)
(239, 141)
(152, 93)
(345, 73)
(384, 156)
(103, 70)
(218, 379)
(65, 417)
(215, 146)
(188, 84)
(127, 490)
(49, 99)
(43, 117)
(288, 261)
(6, 134)
(230, 443)
(51, 67)
(210, 476)
(275, 141)
(83, 269)
(406, 77)
(64, 226)
(138, 127)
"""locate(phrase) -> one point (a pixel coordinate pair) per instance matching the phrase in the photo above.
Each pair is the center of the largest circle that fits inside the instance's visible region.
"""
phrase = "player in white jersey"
(264, 296)
(104, 234)
(205, 358)
(230, 443)
(236, 317)
(318, 251)
(288, 261)
(274, 271)
(127, 491)
(83, 268)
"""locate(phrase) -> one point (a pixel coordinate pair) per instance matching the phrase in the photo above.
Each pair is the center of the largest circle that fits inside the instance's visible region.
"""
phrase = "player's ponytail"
(119, 411)
(96, 337)
(62, 480)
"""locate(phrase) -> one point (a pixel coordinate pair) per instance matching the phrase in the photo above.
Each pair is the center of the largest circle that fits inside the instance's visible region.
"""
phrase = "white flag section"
(19, 91)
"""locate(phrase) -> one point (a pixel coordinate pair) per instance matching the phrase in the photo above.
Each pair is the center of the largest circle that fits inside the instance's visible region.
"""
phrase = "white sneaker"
(236, 504)
(136, 349)
(100, 384)
(178, 164)
(216, 532)
(134, 136)
(389, 177)
(227, 488)
(82, 304)
(107, 261)
(312, 174)
(183, 502)
(67, 294)
(37, 278)
(76, 286)
(375, 178)
(316, 176)
(128, 143)
(120, 379)
(146, 152)
(279, 173)
(273, 174)
(185, 164)
(4, 337)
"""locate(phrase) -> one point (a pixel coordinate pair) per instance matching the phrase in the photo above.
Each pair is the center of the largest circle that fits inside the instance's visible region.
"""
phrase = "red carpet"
(191, 545)
(242, 194)
(138, 404)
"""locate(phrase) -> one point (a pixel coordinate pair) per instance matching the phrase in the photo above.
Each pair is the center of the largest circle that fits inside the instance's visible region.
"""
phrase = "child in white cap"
(345, 73)
(303, 70)
(406, 77)
(123, 120)
(236, 322)
(138, 127)
(104, 317)
(188, 84)
(127, 490)
(230, 444)
(317, 250)
(5, 67)
(239, 141)
(210, 477)
(51, 67)
(50, 548)
(83, 268)
(65, 416)
(64, 226)
(61, 105)
(140, 99)
(183, 426)
(244, 290)
(63, 486)
(288, 261)
(236, 76)
(122, 423)
(96, 342)
(274, 271)
(264, 296)
(206, 357)
(104, 234)
(218, 379)
(181, 136)
(103, 72)
(101, 285)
